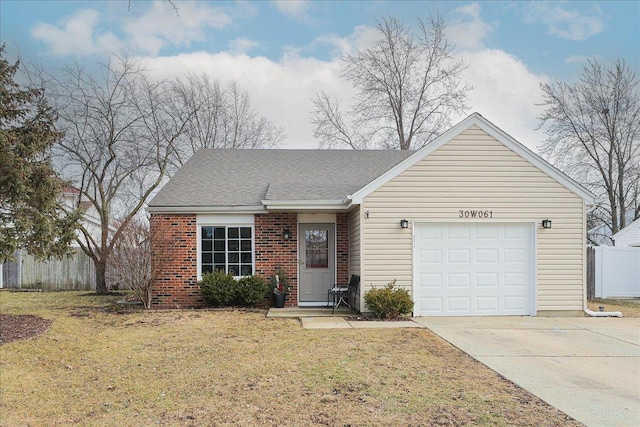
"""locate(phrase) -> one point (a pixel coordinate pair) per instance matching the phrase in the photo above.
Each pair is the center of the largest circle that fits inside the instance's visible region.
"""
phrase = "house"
(474, 223)
(628, 236)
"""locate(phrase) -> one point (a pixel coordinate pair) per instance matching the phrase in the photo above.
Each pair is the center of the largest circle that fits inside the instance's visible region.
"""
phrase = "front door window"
(317, 248)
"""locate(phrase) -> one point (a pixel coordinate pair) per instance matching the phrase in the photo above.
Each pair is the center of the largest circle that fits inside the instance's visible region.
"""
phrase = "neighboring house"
(473, 242)
(628, 236)
(90, 218)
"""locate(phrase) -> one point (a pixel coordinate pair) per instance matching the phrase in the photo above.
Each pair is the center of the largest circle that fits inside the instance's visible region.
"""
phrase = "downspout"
(603, 313)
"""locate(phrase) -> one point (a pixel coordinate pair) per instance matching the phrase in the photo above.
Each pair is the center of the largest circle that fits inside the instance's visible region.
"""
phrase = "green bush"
(387, 302)
(250, 291)
(218, 288)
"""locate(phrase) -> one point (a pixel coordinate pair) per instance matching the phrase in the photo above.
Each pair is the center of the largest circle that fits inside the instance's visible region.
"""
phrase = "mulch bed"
(14, 328)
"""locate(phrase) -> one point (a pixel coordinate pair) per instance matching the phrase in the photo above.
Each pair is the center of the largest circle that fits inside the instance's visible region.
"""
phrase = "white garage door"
(473, 269)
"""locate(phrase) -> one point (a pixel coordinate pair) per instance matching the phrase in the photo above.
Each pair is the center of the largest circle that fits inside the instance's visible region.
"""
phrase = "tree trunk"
(101, 280)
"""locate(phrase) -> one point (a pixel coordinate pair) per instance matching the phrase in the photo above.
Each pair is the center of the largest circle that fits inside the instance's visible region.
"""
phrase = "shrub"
(218, 288)
(387, 302)
(250, 291)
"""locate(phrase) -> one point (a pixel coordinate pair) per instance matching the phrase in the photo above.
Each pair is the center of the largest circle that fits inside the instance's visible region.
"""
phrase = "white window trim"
(212, 220)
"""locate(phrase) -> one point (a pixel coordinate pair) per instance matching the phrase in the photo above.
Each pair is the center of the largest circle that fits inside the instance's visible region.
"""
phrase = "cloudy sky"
(284, 52)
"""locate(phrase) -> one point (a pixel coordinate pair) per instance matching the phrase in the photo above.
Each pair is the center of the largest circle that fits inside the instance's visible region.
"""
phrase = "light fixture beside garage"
(404, 223)
(546, 223)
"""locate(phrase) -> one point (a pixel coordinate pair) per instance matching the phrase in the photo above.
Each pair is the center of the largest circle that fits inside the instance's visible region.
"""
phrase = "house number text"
(475, 213)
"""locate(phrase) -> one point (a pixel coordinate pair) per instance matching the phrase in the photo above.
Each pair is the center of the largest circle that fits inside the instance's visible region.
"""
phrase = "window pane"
(234, 269)
(246, 270)
(233, 233)
(219, 267)
(245, 232)
(206, 258)
(218, 245)
(207, 245)
(245, 245)
(207, 232)
(218, 258)
(317, 249)
(208, 268)
(233, 245)
(245, 258)
(234, 257)
(219, 233)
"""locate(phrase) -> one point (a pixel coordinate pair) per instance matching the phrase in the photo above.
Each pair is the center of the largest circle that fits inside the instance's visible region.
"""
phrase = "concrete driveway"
(588, 368)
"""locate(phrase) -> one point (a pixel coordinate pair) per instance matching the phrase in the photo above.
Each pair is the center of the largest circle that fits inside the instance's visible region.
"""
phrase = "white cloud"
(506, 93)
(571, 24)
(296, 9)
(81, 34)
(76, 35)
(242, 45)
(467, 29)
(280, 90)
(151, 31)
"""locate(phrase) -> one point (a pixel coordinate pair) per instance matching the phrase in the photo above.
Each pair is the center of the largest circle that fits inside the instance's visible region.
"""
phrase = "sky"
(283, 53)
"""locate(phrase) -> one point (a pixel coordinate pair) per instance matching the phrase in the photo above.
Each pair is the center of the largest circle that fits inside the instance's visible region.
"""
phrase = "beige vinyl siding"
(475, 172)
(354, 244)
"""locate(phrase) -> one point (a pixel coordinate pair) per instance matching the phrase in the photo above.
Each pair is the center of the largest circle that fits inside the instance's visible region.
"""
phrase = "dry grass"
(627, 307)
(95, 366)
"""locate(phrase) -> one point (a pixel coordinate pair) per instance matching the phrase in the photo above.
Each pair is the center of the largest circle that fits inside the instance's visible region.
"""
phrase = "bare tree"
(409, 87)
(593, 135)
(224, 118)
(130, 263)
(121, 130)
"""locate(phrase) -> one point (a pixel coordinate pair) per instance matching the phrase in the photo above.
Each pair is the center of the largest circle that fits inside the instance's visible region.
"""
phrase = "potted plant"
(280, 286)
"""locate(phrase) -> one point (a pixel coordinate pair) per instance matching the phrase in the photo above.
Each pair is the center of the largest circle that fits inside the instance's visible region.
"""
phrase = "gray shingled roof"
(237, 178)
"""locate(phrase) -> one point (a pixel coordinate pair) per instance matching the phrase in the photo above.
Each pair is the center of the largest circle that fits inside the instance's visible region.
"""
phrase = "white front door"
(473, 269)
(317, 262)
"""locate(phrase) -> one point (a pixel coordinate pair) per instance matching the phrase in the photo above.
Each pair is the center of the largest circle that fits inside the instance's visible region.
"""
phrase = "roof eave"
(294, 205)
(206, 209)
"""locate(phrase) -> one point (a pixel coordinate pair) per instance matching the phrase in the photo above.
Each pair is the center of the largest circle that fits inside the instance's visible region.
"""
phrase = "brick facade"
(175, 247)
(342, 248)
(272, 251)
(177, 285)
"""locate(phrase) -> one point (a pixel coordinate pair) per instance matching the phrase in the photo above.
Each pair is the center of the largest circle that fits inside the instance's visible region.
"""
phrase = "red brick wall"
(342, 248)
(175, 249)
(177, 282)
(272, 251)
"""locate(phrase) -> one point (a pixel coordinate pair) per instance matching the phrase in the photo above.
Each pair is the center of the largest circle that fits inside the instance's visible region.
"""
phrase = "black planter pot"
(279, 299)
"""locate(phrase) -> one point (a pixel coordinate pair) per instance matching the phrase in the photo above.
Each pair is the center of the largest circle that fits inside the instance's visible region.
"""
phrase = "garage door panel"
(486, 255)
(430, 256)
(458, 256)
(487, 305)
(474, 269)
(487, 233)
(459, 304)
(486, 280)
(431, 280)
(460, 280)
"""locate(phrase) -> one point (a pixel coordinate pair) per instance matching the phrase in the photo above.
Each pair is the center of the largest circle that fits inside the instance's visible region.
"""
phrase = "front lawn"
(98, 366)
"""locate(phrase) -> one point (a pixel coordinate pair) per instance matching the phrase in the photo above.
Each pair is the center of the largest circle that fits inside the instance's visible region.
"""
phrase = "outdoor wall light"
(546, 223)
(286, 234)
(404, 223)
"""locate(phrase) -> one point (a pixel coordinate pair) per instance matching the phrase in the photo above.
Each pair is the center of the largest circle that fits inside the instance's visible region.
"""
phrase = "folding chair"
(344, 294)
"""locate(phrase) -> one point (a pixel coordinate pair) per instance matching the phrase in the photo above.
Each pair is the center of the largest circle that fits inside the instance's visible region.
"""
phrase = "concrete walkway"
(588, 368)
(342, 323)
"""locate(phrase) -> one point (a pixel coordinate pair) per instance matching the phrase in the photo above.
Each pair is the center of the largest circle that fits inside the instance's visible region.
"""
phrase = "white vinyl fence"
(617, 272)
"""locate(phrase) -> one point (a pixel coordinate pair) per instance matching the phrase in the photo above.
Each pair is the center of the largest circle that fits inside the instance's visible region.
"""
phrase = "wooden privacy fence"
(75, 272)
